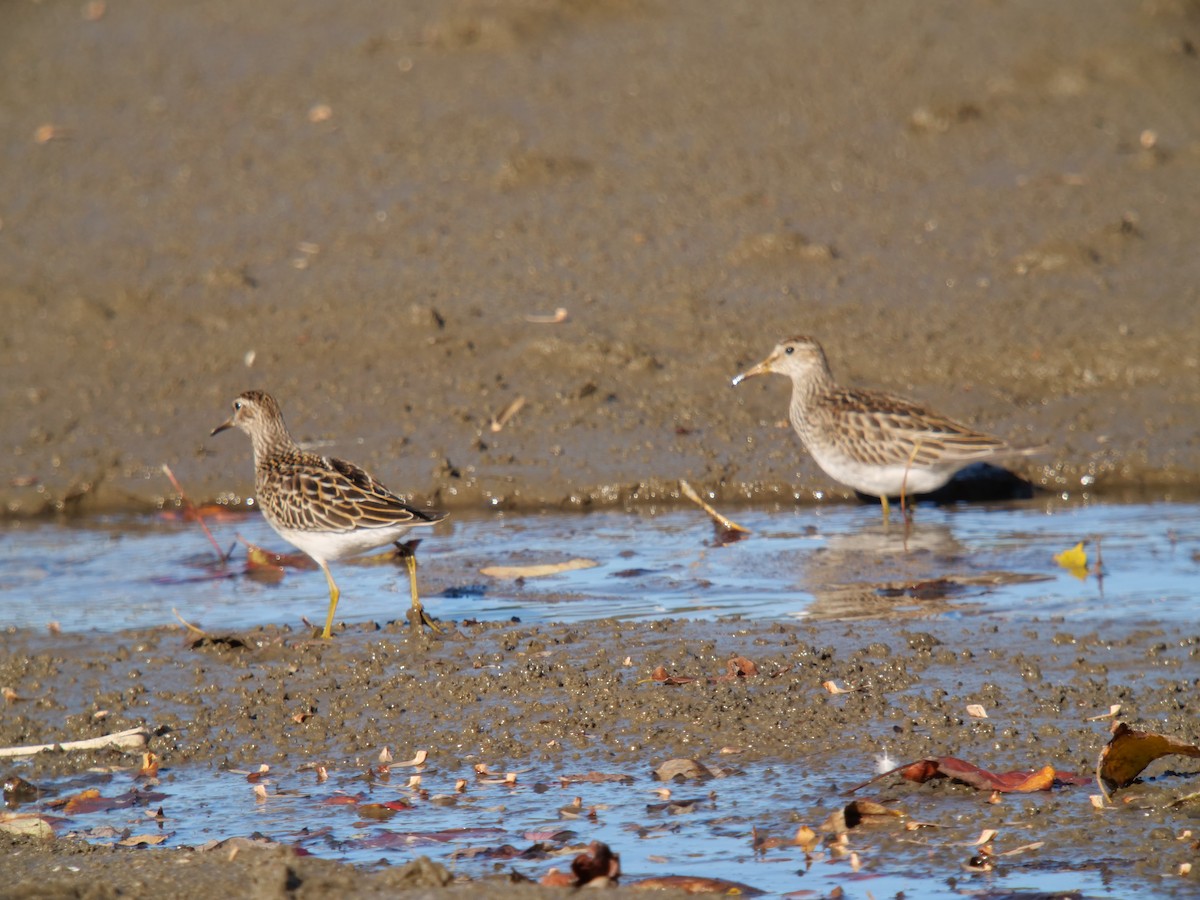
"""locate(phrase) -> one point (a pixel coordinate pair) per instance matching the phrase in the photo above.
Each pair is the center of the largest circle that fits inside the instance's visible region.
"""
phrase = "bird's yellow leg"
(418, 616)
(883, 501)
(334, 594)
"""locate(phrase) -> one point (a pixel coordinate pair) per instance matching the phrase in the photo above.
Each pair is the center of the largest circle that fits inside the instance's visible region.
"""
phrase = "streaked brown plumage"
(329, 508)
(873, 442)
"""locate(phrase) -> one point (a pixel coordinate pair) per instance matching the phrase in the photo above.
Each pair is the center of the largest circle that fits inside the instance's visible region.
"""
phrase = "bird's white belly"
(330, 545)
(880, 480)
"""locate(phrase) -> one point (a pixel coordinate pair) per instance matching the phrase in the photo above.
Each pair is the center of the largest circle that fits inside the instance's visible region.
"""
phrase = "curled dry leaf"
(149, 767)
(1128, 752)
(967, 773)
(417, 760)
(1112, 712)
(834, 688)
(385, 755)
(737, 667)
(661, 675)
(976, 710)
(538, 571)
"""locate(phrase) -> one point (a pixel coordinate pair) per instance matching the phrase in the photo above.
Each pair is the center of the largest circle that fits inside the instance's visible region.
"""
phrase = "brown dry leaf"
(976, 710)
(595, 778)
(737, 667)
(139, 839)
(84, 802)
(696, 884)
(255, 777)
(558, 879)
(383, 811)
(1128, 752)
(29, 825)
(834, 688)
(538, 571)
(967, 773)
(149, 767)
(682, 768)
(662, 677)
(856, 813)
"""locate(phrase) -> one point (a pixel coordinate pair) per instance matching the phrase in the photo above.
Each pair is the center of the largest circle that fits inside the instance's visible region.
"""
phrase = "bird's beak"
(763, 368)
(221, 427)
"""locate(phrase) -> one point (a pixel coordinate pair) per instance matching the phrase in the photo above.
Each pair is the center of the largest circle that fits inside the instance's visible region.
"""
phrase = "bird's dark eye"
(789, 350)
(237, 404)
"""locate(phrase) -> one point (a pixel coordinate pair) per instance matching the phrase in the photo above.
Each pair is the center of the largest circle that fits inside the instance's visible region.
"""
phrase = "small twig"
(199, 632)
(507, 413)
(727, 524)
(133, 739)
(195, 512)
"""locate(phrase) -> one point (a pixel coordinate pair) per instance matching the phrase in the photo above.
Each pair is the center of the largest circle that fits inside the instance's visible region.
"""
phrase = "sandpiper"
(326, 507)
(873, 442)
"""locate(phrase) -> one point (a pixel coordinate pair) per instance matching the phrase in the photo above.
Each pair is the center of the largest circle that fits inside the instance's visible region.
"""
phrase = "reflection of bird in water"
(329, 508)
(880, 573)
(873, 442)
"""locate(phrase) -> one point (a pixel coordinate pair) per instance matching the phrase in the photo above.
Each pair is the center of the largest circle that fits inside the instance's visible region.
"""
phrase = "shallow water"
(835, 562)
(824, 562)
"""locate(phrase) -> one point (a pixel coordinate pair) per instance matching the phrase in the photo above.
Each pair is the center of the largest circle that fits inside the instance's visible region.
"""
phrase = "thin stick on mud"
(722, 522)
(133, 739)
(187, 504)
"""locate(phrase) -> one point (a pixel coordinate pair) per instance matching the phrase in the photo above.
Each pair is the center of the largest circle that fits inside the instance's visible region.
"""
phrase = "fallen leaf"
(695, 884)
(596, 778)
(1074, 561)
(834, 688)
(382, 811)
(597, 862)
(1128, 752)
(682, 768)
(662, 677)
(856, 813)
(737, 667)
(538, 571)
(29, 825)
(149, 767)
(977, 711)
(137, 840)
(967, 773)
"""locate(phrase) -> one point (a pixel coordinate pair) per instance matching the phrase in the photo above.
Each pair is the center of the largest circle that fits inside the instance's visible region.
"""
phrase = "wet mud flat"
(550, 701)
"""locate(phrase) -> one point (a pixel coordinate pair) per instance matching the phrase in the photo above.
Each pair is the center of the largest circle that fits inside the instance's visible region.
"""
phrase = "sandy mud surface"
(561, 699)
(991, 208)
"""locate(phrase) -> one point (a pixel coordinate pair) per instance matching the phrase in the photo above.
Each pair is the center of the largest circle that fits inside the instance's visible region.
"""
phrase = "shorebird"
(328, 508)
(873, 442)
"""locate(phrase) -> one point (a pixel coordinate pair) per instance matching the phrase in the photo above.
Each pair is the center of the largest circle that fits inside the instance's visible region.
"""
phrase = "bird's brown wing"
(334, 495)
(888, 430)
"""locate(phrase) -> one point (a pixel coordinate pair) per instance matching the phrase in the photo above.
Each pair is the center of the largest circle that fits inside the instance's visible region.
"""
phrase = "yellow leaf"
(1074, 561)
